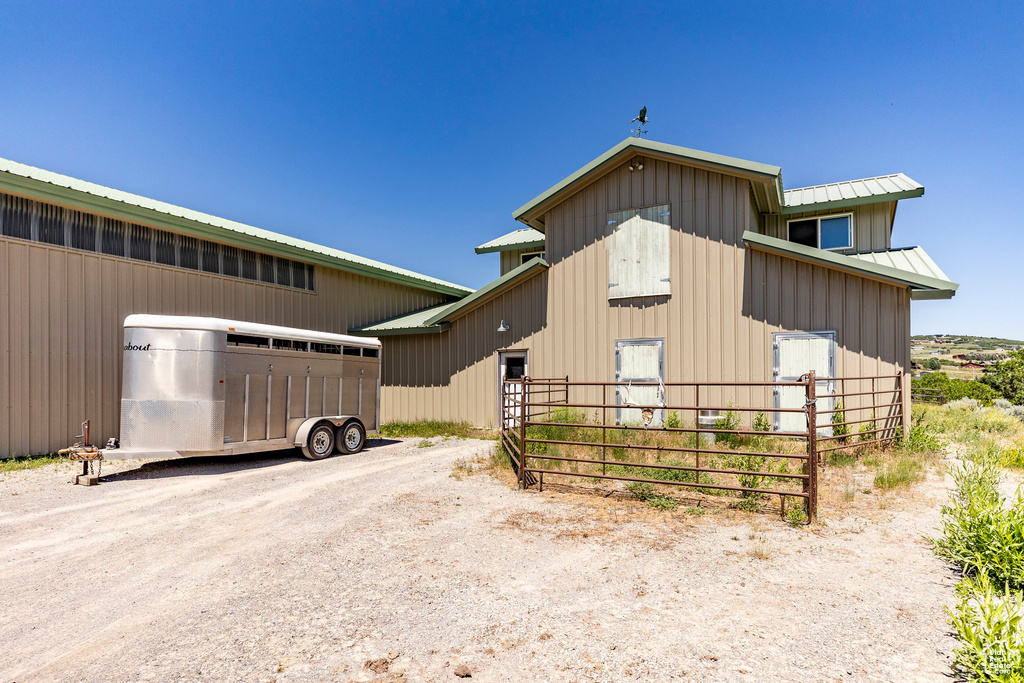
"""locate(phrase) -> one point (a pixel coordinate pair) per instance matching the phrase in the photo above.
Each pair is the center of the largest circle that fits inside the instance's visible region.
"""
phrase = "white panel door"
(639, 360)
(511, 366)
(796, 354)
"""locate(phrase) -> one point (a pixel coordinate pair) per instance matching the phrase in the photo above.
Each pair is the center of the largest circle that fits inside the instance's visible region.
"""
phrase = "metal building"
(657, 261)
(77, 258)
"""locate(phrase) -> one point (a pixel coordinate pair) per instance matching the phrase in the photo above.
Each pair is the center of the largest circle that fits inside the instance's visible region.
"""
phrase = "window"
(824, 232)
(370, 353)
(523, 258)
(350, 351)
(320, 347)
(638, 252)
(248, 340)
(291, 345)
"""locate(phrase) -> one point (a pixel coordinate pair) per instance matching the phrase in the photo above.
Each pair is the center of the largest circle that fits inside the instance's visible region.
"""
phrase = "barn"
(77, 258)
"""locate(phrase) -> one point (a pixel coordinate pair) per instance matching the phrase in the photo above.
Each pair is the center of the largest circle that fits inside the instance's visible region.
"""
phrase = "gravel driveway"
(383, 566)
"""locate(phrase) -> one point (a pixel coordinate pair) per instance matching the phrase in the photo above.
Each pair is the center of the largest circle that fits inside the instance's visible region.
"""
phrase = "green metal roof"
(768, 195)
(439, 318)
(409, 323)
(44, 185)
(527, 238)
(924, 285)
(851, 193)
(914, 259)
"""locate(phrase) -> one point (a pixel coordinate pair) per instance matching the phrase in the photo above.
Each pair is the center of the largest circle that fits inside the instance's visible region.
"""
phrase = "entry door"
(511, 366)
(796, 354)
(639, 360)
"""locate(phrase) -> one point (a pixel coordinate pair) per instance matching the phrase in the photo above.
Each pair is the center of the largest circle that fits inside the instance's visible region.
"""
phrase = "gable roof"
(766, 179)
(851, 193)
(766, 182)
(439, 318)
(916, 271)
(44, 185)
(527, 238)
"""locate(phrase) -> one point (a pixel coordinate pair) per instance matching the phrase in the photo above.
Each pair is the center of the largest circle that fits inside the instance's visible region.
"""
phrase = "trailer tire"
(320, 443)
(351, 437)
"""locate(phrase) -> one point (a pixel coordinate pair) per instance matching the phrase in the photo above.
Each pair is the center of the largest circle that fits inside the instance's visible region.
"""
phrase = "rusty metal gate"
(711, 436)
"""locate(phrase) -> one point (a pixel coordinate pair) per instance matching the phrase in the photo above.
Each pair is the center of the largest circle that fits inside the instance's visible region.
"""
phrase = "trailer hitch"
(87, 454)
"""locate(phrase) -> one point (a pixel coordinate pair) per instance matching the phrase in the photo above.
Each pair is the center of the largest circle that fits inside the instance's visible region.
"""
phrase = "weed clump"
(646, 493)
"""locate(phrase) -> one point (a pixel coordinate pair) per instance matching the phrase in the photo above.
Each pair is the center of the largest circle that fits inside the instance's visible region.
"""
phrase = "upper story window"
(823, 232)
(523, 258)
(639, 252)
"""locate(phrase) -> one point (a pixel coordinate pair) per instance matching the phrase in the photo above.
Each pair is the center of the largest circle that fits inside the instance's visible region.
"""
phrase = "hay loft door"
(512, 365)
(796, 354)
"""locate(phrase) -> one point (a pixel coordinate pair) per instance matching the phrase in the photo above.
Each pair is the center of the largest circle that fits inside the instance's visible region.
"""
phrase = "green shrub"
(796, 516)
(1013, 457)
(839, 429)
(953, 388)
(980, 533)
(1008, 378)
(867, 430)
(729, 421)
(989, 622)
(646, 493)
(672, 420)
(917, 440)
(762, 423)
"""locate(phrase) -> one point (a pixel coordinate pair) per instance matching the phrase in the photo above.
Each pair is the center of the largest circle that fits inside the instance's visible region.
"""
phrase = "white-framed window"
(834, 233)
(639, 252)
(523, 258)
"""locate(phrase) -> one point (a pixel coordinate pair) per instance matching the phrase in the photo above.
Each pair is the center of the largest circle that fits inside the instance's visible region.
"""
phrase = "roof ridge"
(40, 175)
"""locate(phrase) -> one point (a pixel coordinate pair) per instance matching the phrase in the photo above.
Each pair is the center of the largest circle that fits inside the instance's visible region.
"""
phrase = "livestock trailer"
(207, 386)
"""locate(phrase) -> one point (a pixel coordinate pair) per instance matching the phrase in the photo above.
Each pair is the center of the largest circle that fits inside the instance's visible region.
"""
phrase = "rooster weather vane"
(641, 120)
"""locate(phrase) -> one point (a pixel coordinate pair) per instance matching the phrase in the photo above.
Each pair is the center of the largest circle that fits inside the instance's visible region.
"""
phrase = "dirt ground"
(397, 564)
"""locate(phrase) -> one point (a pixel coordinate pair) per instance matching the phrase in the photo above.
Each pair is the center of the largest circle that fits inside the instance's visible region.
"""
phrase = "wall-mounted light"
(636, 165)
(503, 327)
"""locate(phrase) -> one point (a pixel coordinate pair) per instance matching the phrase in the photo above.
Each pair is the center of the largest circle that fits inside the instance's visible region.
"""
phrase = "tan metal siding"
(871, 224)
(61, 317)
(726, 303)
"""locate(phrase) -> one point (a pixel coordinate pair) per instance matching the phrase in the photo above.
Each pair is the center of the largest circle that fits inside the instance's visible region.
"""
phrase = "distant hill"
(966, 341)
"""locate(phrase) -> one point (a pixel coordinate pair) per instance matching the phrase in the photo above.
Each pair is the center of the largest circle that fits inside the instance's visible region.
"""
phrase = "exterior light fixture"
(636, 165)
(503, 327)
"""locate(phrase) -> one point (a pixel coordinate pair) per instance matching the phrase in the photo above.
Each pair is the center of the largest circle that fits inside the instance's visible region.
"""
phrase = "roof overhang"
(849, 193)
(766, 180)
(440, 318)
(517, 240)
(35, 183)
(921, 286)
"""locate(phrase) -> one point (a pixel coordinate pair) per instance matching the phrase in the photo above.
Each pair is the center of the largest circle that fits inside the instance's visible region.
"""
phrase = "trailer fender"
(306, 427)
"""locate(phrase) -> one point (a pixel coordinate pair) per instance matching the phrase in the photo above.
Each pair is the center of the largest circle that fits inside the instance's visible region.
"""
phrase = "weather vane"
(643, 120)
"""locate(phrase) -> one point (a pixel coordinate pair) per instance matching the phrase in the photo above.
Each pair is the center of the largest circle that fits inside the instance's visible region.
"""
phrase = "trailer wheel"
(320, 443)
(351, 437)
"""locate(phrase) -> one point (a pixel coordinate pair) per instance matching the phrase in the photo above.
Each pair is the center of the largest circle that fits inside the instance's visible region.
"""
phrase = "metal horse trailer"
(207, 386)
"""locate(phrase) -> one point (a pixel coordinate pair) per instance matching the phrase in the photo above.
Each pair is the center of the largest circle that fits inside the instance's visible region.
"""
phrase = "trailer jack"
(87, 455)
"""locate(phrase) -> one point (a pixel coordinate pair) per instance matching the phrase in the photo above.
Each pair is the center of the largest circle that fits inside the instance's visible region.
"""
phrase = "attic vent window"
(639, 252)
(833, 233)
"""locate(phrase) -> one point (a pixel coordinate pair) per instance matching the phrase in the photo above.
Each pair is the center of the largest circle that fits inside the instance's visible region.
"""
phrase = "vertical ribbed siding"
(871, 224)
(61, 317)
(726, 303)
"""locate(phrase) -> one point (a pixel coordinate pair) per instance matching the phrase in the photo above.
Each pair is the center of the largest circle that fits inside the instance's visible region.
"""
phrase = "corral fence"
(751, 439)
(926, 395)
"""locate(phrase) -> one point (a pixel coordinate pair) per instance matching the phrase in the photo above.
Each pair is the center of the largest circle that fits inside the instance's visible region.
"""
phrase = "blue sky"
(409, 132)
